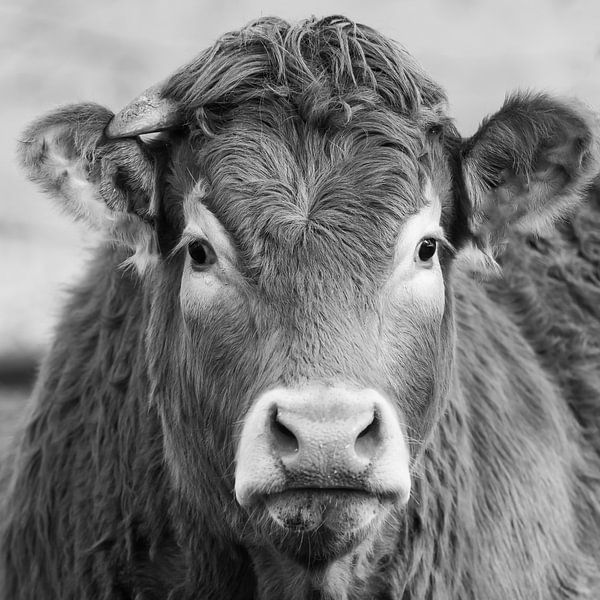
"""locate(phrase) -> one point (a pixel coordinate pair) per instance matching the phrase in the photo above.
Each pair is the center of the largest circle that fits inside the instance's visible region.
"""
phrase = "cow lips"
(340, 511)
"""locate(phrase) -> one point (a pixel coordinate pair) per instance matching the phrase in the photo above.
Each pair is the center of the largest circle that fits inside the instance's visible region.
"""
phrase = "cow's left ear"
(528, 165)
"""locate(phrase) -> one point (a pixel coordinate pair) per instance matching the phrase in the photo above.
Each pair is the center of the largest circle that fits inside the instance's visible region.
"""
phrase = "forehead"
(270, 176)
(308, 137)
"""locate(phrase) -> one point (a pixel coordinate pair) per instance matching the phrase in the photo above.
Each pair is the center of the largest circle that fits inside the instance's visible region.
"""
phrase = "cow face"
(296, 243)
(320, 276)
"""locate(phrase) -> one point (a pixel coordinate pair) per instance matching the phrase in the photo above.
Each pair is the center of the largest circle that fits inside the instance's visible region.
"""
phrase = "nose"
(321, 438)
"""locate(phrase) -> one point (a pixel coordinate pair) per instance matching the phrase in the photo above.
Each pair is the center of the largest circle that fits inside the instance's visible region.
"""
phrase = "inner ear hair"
(109, 185)
(528, 165)
(57, 152)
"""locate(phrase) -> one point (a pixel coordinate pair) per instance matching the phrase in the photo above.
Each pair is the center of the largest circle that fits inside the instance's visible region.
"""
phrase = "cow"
(326, 347)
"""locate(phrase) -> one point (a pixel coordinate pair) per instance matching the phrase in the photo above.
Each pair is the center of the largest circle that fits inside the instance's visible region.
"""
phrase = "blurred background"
(66, 51)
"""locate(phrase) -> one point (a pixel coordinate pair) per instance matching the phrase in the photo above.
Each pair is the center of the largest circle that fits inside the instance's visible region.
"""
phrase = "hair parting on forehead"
(327, 68)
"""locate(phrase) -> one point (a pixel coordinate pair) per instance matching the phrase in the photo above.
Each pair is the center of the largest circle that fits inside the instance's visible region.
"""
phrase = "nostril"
(285, 442)
(369, 439)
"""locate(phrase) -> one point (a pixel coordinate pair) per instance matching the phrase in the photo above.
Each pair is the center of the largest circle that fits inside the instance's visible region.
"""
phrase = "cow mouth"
(304, 510)
(316, 525)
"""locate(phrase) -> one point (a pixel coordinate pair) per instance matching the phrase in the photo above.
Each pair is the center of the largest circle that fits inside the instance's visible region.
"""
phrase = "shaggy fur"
(311, 145)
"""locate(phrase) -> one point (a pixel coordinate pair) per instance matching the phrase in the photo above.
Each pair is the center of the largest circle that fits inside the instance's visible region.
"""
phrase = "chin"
(317, 526)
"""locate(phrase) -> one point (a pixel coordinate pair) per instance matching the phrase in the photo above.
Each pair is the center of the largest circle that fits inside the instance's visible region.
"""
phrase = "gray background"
(60, 51)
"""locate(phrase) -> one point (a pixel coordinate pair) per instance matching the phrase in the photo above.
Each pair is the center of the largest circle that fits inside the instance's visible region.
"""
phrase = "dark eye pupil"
(201, 254)
(427, 249)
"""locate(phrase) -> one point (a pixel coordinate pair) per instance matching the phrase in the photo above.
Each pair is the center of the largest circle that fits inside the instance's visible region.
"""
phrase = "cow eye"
(427, 249)
(202, 254)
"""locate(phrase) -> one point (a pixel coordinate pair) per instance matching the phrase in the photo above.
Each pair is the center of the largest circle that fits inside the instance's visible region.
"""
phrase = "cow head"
(295, 226)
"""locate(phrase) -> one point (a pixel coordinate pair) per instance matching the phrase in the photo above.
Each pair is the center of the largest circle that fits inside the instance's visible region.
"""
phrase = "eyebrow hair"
(445, 242)
(184, 240)
(191, 233)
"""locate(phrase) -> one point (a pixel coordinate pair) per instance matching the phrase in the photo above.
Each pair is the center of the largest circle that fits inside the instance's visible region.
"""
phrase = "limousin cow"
(285, 374)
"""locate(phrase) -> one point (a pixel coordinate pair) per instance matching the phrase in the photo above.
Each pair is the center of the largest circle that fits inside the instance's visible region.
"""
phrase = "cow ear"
(110, 185)
(527, 166)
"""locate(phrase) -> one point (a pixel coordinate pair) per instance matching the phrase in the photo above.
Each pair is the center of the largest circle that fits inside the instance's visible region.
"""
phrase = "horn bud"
(148, 113)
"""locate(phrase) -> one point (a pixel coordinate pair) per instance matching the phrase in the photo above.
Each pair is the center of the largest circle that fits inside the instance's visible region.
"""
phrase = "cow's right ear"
(108, 184)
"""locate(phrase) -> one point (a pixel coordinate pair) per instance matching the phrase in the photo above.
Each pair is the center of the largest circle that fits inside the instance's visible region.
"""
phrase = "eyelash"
(441, 245)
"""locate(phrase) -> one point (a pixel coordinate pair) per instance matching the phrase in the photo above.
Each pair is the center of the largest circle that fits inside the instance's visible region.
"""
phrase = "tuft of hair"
(479, 262)
(322, 67)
